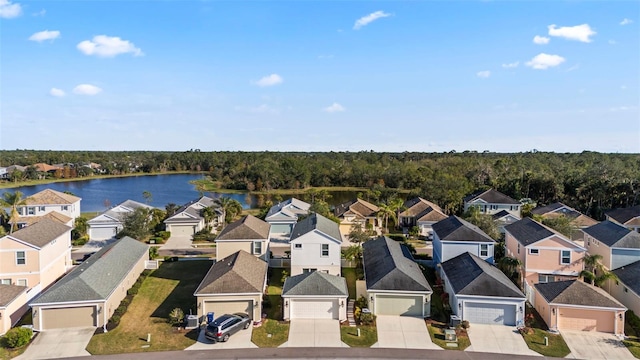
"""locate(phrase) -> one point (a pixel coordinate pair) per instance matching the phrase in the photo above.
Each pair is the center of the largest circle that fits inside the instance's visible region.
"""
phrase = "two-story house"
(315, 246)
(358, 212)
(109, 223)
(47, 201)
(249, 234)
(189, 219)
(545, 254)
(454, 236)
(421, 213)
(578, 219)
(284, 215)
(491, 202)
(617, 245)
(628, 217)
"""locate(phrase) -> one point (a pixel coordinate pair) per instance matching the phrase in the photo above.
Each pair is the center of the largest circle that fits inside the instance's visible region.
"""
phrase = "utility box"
(192, 321)
(450, 335)
(454, 321)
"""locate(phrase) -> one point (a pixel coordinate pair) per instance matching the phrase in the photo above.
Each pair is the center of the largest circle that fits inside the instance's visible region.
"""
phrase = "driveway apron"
(403, 332)
(595, 345)
(314, 333)
(239, 340)
(60, 343)
(498, 339)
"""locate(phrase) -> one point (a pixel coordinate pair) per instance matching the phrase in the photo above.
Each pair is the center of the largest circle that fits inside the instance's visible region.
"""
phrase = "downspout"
(104, 315)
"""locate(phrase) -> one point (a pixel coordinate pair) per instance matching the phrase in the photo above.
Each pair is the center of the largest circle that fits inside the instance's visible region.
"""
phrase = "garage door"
(102, 233)
(586, 320)
(60, 318)
(280, 228)
(182, 230)
(228, 307)
(398, 305)
(483, 313)
(314, 309)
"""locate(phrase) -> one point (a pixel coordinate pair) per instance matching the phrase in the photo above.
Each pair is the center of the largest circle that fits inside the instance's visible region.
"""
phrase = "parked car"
(226, 325)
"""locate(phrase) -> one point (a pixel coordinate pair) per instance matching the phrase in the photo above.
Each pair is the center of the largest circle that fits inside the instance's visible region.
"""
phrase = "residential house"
(109, 223)
(627, 287)
(421, 213)
(284, 215)
(315, 246)
(49, 200)
(504, 218)
(189, 219)
(545, 254)
(3, 173)
(394, 282)
(454, 236)
(555, 210)
(13, 305)
(53, 215)
(492, 201)
(481, 293)
(357, 212)
(233, 284)
(629, 217)
(91, 293)
(249, 234)
(315, 295)
(35, 256)
(576, 305)
(617, 245)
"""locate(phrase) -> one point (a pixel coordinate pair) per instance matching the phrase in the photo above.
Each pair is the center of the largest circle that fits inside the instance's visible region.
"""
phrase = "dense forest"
(590, 182)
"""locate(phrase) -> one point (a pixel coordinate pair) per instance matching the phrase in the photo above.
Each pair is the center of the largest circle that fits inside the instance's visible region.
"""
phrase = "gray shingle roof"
(500, 214)
(247, 228)
(470, 275)
(576, 292)
(97, 277)
(630, 276)
(8, 293)
(193, 208)
(388, 265)
(238, 273)
(119, 215)
(528, 231)
(454, 228)
(623, 215)
(614, 235)
(492, 196)
(41, 233)
(315, 283)
(564, 210)
(317, 222)
(291, 207)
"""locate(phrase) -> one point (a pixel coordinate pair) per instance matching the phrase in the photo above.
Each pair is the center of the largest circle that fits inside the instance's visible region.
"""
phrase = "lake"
(97, 194)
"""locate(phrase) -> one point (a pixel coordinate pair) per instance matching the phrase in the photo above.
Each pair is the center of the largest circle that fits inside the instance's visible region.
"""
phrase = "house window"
(5, 281)
(625, 289)
(304, 271)
(41, 208)
(534, 251)
(546, 278)
(565, 257)
(21, 282)
(257, 247)
(518, 248)
(484, 250)
(297, 246)
(64, 207)
(53, 241)
(31, 211)
(325, 250)
(20, 211)
(21, 258)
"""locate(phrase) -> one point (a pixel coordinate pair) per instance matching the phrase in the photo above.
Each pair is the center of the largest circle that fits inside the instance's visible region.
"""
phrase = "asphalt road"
(314, 353)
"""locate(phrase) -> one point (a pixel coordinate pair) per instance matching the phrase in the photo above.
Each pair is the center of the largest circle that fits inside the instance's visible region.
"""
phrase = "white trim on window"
(324, 250)
(21, 258)
(257, 248)
(21, 282)
(533, 251)
(484, 250)
(565, 257)
(297, 246)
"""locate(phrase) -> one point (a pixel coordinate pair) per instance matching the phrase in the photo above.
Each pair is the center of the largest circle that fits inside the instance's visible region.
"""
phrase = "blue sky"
(433, 76)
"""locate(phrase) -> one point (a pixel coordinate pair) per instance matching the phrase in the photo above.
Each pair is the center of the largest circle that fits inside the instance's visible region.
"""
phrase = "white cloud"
(45, 35)
(622, 108)
(612, 42)
(108, 46)
(626, 21)
(86, 89)
(335, 107)
(540, 40)
(40, 13)
(579, 32)
(544, 61)
(9, 10)
(483, 74)
(365, 20)
(57, 92)
(270, 80)
(511, 65)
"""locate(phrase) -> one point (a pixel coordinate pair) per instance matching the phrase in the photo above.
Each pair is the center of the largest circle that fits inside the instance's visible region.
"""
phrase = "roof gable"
(491, 196)
(629, 275)
(291, 208)
(576, 292)
(357, 207)
(317, 222)
(315, 283)
(614, 235)
(454, 228)
(247, 228)
(624, 215)
(51, 197)
(238, 273)
(8, 293)
(41, 233)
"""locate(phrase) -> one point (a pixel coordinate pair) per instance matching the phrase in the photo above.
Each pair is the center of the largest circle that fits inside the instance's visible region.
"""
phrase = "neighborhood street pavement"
(499, 339)
(314, 333)
(403, 332)
(595, 345)
(239, 340)
(59, 343)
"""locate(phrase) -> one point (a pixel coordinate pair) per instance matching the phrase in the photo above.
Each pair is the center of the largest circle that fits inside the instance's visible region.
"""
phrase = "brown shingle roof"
(51, 197)
(576, 292)
(54, 215)
(417, 206)
(249, 227)
(41, 233)
(358, 207)
(238, 273)
(8, 293)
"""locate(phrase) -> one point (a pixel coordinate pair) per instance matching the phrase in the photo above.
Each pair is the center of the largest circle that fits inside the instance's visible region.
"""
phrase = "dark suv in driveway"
(226, 325)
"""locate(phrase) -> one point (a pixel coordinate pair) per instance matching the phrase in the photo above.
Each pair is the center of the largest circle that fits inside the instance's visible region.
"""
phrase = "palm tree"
(594, 272)
(13, 201)
(397, 205)
(386, 211)
(231, 207)
(511, 267)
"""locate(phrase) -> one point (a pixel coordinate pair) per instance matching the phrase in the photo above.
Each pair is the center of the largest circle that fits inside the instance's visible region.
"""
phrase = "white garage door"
(102, 233)
(484, 313)
(398, 305)
(219, 308)
(314, 309)
(182, 230)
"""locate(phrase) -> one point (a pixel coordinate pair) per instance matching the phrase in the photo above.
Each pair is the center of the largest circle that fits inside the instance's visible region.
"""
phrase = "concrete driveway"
(62, 343)
(403, 332)
(314, 333)
(178, 242)
(595, 345)
(498, 339)
(239, 340)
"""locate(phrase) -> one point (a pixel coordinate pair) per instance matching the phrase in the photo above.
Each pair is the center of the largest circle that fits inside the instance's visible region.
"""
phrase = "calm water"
(164, 189)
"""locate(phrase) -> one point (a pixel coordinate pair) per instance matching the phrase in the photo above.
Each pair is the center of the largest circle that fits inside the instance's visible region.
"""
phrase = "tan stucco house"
(13, 304)
(249, 234)
(90, 293)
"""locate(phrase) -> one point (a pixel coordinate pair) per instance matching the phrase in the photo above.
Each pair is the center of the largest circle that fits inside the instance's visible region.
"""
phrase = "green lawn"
(170, 286)
(274, 292)
(272, 333)
(350, 275)
(368, 336)
(557, 347)
(633, 344)
(436, 331)
(6, 353)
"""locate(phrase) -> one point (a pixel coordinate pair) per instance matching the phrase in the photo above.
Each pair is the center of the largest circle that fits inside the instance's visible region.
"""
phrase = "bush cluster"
(80, 241)
(17, 337)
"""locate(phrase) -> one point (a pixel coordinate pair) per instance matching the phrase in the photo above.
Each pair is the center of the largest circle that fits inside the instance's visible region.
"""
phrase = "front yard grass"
(169, 287)
(633, 344)
(350, 275)
(436, 331)
(271, 334)
(273, 306)
(557, 347)
(368, 336)
(8, 353)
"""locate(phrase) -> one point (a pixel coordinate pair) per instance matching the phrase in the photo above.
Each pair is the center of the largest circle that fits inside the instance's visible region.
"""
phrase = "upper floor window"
(31, 210)
(41, 208)
(325, 250)
(565, 257)
(21, 258)
(484, 250)
(64, 207)
(297, 246)
(21, 282)
(534, 251)
(518, 248)
(20, 211)
(546, 278)
(257, 247)
(5, 281)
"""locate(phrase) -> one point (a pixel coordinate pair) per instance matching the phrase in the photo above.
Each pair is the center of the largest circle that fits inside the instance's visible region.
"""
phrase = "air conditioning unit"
(454, 321)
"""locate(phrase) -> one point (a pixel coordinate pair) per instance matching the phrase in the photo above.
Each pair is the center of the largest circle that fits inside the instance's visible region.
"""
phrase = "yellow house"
(249, 234)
